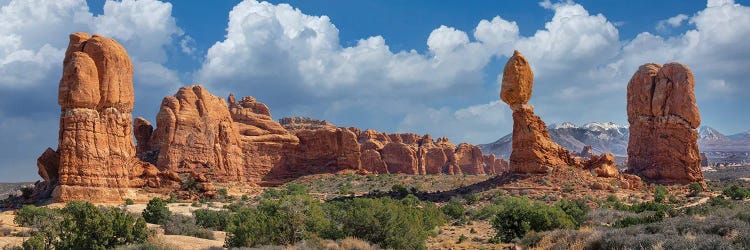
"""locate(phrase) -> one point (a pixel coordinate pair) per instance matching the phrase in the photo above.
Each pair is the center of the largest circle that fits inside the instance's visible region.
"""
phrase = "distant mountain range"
(613, 138)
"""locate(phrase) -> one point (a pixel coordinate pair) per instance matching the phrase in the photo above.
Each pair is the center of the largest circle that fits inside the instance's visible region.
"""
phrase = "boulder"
(602, 165)
(48, 164)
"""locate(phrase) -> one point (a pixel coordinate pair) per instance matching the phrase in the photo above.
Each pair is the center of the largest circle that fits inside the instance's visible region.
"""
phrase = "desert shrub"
(278, 222)
(129, 202)
(223, 192)
(399, 189)
(454, 209)
(660, 193)
(384, 221)
(185, 225)
(45, 224)
(296, 189)
(80, 225)
(577, 209)
(485, 212)
(471, 199)
(612, 198)
(289, 189)
(521, 215)
(736, 193)
(719, 201)
(88, 227)
(695, 189)
(682, 232)
(156, 211)
(213, 219)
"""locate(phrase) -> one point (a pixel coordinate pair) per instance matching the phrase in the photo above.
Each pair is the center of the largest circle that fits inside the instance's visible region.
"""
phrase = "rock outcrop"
(586, 152)
(663, 118)
(96, 152)
(195, 133)
(202, 139)
(533, 149)
(602, 165)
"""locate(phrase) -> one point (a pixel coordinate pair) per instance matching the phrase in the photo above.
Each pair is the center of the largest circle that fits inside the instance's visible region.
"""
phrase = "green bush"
(472, 199)
(81, 225)
(276, 222)
(185, 225)
(660, 193)
(129, 202)
(719, 201)
(156, 211)
(45, 224)
(695, 188)
(387, 222)
(577, 209)
(521, 215)
(400, 189)
(223, 192)
(736, 193)
(216, 220)
(454, 209)
(612, 198)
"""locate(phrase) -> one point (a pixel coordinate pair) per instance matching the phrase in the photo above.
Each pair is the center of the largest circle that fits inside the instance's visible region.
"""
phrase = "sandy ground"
(8, 230)
(448, 236)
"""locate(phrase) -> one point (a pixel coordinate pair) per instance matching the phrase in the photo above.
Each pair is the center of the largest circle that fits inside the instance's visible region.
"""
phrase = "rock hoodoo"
(533, 148)
(663, 118)
(96, 156)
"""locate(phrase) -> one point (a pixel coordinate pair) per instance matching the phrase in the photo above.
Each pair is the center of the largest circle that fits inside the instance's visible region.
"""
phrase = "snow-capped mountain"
(603, 137)
(608, 137)
(709, 134)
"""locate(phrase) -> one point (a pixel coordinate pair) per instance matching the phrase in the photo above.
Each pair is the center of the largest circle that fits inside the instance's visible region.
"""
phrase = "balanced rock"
(663, 118)
(533, 148)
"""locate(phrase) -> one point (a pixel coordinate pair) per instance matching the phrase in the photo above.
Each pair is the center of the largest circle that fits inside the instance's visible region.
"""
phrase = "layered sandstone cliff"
(663, 117)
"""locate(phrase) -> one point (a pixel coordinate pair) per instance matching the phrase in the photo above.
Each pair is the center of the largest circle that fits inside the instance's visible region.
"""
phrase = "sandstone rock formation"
(195, 134)
(206, 139)
(96, 152)
(663, 118)
(533, 149)
(586, 152)
(602, 165)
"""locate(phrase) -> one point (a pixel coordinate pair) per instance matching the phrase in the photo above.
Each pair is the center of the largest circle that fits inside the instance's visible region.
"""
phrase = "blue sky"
(396, 66)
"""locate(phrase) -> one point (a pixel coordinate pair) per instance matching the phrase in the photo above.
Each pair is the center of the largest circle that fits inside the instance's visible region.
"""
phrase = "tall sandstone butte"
(663, 118)
(533, 148)
(96, 156)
